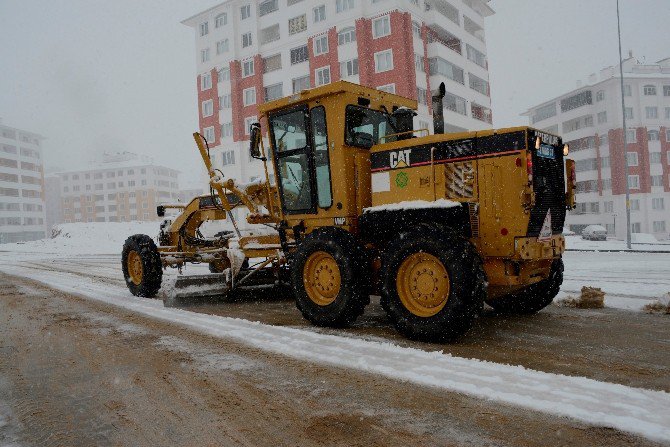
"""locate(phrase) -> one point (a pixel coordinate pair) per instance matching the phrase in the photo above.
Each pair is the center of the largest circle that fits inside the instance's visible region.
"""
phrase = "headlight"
(566, 150)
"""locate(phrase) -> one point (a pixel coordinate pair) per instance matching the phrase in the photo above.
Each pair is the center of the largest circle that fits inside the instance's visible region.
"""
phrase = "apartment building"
(122, 187)
(251, 51)
(22, 215)
(590, 119)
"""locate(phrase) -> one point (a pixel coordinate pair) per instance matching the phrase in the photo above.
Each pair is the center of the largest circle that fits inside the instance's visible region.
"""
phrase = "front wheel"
(330, 278)
(433, 284)
(533, 298)
(142, 268)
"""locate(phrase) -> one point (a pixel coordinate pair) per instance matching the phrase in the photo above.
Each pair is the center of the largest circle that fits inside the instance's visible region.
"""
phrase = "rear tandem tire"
(142, 267)
(533, 298)
(330, 276)
(433, 284)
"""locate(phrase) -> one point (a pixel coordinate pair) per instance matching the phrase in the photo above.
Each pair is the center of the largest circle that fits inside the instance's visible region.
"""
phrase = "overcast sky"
(94, 75)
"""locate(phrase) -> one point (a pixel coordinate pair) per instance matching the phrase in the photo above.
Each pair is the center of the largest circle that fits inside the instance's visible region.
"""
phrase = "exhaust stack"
(438, 111)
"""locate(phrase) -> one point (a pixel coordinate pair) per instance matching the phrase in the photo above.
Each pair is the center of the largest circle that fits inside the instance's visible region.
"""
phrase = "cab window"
(365, 127)
(321, 158)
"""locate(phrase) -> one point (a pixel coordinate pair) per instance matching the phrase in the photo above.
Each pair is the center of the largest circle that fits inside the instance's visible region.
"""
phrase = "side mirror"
(362, 140)
(255, 141)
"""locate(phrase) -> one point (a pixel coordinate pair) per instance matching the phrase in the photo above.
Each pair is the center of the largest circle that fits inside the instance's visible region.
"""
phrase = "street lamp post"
(625, 131)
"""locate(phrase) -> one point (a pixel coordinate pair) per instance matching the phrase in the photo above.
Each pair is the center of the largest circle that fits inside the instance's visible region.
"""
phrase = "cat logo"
(400, 159)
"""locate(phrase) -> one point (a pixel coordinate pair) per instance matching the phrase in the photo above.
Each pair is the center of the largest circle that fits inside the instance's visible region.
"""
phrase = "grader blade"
(194, 289)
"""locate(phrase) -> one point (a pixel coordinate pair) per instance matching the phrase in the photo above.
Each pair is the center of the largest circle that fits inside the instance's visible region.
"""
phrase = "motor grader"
(364, 204)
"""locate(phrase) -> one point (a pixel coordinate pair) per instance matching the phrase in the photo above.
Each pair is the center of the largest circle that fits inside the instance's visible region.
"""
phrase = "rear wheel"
(330, 278)
(533, 298)
(432, 284)
(141, 264)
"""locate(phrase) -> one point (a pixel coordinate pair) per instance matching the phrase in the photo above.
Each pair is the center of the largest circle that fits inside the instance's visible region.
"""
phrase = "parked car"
(568, 232)
(594, 233)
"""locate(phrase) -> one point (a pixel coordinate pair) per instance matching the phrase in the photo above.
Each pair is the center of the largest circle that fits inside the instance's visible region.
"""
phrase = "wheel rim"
(135, 269)
(322, 279)
(423, 284)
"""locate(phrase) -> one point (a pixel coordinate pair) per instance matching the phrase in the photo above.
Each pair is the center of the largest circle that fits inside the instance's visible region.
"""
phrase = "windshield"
(363, 124)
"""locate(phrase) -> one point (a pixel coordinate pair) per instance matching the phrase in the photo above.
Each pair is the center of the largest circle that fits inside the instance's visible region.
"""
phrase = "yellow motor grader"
(364, 204)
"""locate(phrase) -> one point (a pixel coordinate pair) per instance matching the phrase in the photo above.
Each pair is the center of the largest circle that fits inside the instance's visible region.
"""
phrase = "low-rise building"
(123, 187)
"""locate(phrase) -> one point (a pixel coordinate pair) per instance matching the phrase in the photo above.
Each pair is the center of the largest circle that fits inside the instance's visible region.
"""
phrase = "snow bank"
(577, 243)
(85, 238)
(412, 205)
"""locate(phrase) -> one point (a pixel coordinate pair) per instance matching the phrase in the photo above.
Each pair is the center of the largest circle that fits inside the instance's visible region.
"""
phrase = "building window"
(476, 56)
(388, 88)
(438, 65)
(222, 46)
(297, 24)
(631, 136)
(666, 90)
(225, 101)
(602, 117)
(245, 12)
(247, 40)
(207, 108)
(422, 96)
(600, 95)
(478, 84)
(268, 6)
(609, 207)
(383, 61)
(206, 81)
(454, 103)
(634, 183)
(544, 112)
(416, 29)
(209, 134)
(227, 158)
(632, 158)
(652, 135)
(667, 113)
(319, 13)
(347, 35)
(344, 5)
(273, 92)
(627, 91)
(322, 76)
(204, 55)
(629, 113)
(419, 63)
(349, 68)
(223, 74)
(300, 84)
(221, 19)
(649, 90)
(299, 55)
(659, 226)
(381, 27)
(651, 112)
(657, 203)
(667, 135)
(321, 45)
(204, 28)
(248, 121)
(247, 68)
(249, 95)
(657, 180)
(272, 63)
(226, 130)
(634, 204)
(481, 113)
(269, 34)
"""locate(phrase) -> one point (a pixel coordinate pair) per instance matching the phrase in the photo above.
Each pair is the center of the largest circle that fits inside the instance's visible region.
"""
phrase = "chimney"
(630, 53)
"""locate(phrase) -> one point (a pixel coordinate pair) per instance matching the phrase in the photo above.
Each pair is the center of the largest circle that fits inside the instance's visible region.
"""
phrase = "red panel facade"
(213, 120)
(326, 59)
(426, 66)
(665, 158)
(239, 84)
(403, 74)
(642, 169)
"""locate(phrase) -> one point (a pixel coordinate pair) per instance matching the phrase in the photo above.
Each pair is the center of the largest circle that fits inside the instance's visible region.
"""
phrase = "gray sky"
(94, 75)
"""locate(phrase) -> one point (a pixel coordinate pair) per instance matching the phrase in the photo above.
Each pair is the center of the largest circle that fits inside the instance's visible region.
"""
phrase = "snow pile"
(643, 238)
(412, 205)
(590, 298)
(85, 238)
(577, 243)
(660, 306)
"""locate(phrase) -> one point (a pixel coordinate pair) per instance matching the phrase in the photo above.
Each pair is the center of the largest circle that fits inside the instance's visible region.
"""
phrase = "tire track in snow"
(634, 410)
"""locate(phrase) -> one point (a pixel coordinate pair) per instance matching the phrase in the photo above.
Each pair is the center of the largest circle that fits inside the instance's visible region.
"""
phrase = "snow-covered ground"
(629, 279)
(577, 243)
